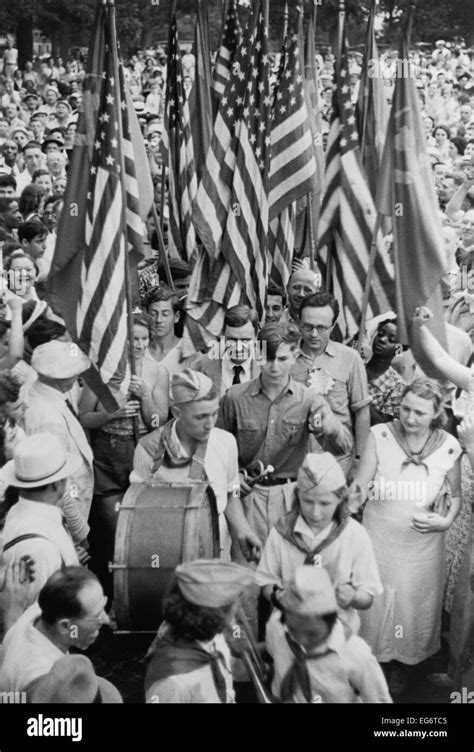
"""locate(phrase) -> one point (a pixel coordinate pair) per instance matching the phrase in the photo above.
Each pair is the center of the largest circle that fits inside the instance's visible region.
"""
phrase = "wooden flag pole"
(312, 243)
(161, 248)
(128, 286)
(368, 280)
(286, 16)
(369, 51)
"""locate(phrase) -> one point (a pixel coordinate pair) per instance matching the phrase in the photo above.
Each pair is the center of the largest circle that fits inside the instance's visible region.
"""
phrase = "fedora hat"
(73, 680)
(39, 459)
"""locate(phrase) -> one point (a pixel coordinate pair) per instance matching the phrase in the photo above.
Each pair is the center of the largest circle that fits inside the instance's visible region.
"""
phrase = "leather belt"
(269, 481)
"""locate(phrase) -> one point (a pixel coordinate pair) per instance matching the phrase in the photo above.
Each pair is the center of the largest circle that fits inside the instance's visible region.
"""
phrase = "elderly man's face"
(302, 284)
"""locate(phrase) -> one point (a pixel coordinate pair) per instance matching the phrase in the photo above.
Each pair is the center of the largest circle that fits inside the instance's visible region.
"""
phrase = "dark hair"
(276, 334)
(7, 180)
(239, 315)
(429, 390)
(58, 598)
(6, 202)
(277, 290)
(44, 330)
(31, 145)
(443, 128)
(39, 173)
(319, 300)
(161, 294)
(179, 269)
(191, 622)
(32, 229)
(30, 200)
(10, 387)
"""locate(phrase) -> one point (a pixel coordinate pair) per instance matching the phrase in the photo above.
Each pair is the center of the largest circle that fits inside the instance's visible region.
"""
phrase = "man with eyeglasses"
(333, 370)
(69, 613)
(231, 360)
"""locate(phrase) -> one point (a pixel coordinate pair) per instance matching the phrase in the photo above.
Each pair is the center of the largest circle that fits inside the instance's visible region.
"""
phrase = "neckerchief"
(168, 657)
(433, 443)
(297, 674)
(162, 448)
(286, 528)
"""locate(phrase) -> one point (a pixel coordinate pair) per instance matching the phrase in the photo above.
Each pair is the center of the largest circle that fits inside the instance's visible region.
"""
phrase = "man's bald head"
(302, 284)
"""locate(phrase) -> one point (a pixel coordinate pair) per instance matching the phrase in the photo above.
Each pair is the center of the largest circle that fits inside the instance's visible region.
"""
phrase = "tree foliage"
(141, 23)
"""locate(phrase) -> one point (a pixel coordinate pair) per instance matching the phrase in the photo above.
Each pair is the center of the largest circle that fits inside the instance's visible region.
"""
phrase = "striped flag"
(406, 195)
(231, 209)
(230, 40)
(178, 149)
(99, 234)
(372, 109)
(292, 166)
(348, 217)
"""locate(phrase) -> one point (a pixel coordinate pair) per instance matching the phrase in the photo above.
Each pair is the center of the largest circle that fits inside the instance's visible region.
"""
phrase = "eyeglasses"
(320, 328)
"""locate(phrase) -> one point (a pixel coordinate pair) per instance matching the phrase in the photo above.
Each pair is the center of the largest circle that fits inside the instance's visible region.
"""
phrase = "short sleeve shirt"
(339, 375)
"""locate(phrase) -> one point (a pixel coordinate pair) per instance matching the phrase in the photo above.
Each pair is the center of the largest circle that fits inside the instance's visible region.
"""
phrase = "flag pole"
(162, 248)
(368, 280)
(369, 52)
(286, 15)
(128, 288)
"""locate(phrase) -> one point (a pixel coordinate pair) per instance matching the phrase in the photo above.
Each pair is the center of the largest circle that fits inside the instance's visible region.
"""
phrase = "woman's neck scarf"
(436, 438)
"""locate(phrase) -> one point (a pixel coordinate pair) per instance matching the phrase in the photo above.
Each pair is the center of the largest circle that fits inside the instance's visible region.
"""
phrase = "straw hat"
(73, 680)
(39, 459)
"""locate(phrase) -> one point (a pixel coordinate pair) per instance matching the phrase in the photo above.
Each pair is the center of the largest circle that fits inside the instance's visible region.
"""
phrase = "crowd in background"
(376, 415)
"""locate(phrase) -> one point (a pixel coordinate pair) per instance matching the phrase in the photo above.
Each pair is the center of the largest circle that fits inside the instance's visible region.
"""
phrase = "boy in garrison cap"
(316, 658)
(189, 447)
(189, 659)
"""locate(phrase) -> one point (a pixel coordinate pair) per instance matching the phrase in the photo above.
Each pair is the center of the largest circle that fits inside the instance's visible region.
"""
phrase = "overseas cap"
(189, 386)
(322, 472)
(309, 593)
(212, 583)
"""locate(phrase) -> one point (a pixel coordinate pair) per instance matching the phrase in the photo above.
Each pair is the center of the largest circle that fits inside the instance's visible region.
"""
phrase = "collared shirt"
(339, 375)
(277, 432)
(26, 653)
(228, 372)
(341, 670)
(309, 536)
(348, 559)
(46, 520)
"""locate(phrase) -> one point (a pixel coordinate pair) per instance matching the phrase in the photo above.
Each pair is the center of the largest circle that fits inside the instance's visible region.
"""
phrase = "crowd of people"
(341, 473)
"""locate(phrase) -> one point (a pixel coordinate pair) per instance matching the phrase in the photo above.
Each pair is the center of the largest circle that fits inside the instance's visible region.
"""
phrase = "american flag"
(230, 38)
(231, 210)
(179, 153)
(348, 217)
(101, 319)
(292, 166)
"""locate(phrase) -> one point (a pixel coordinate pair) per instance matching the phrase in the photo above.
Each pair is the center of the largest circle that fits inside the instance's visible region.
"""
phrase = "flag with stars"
(101, 228)
(230, 39)
(406, 194)
(179, 153)
(347, 219)
(231, 209)
(292, 166)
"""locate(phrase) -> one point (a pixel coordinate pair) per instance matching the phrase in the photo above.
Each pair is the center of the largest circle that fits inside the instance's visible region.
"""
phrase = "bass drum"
(159, 526)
